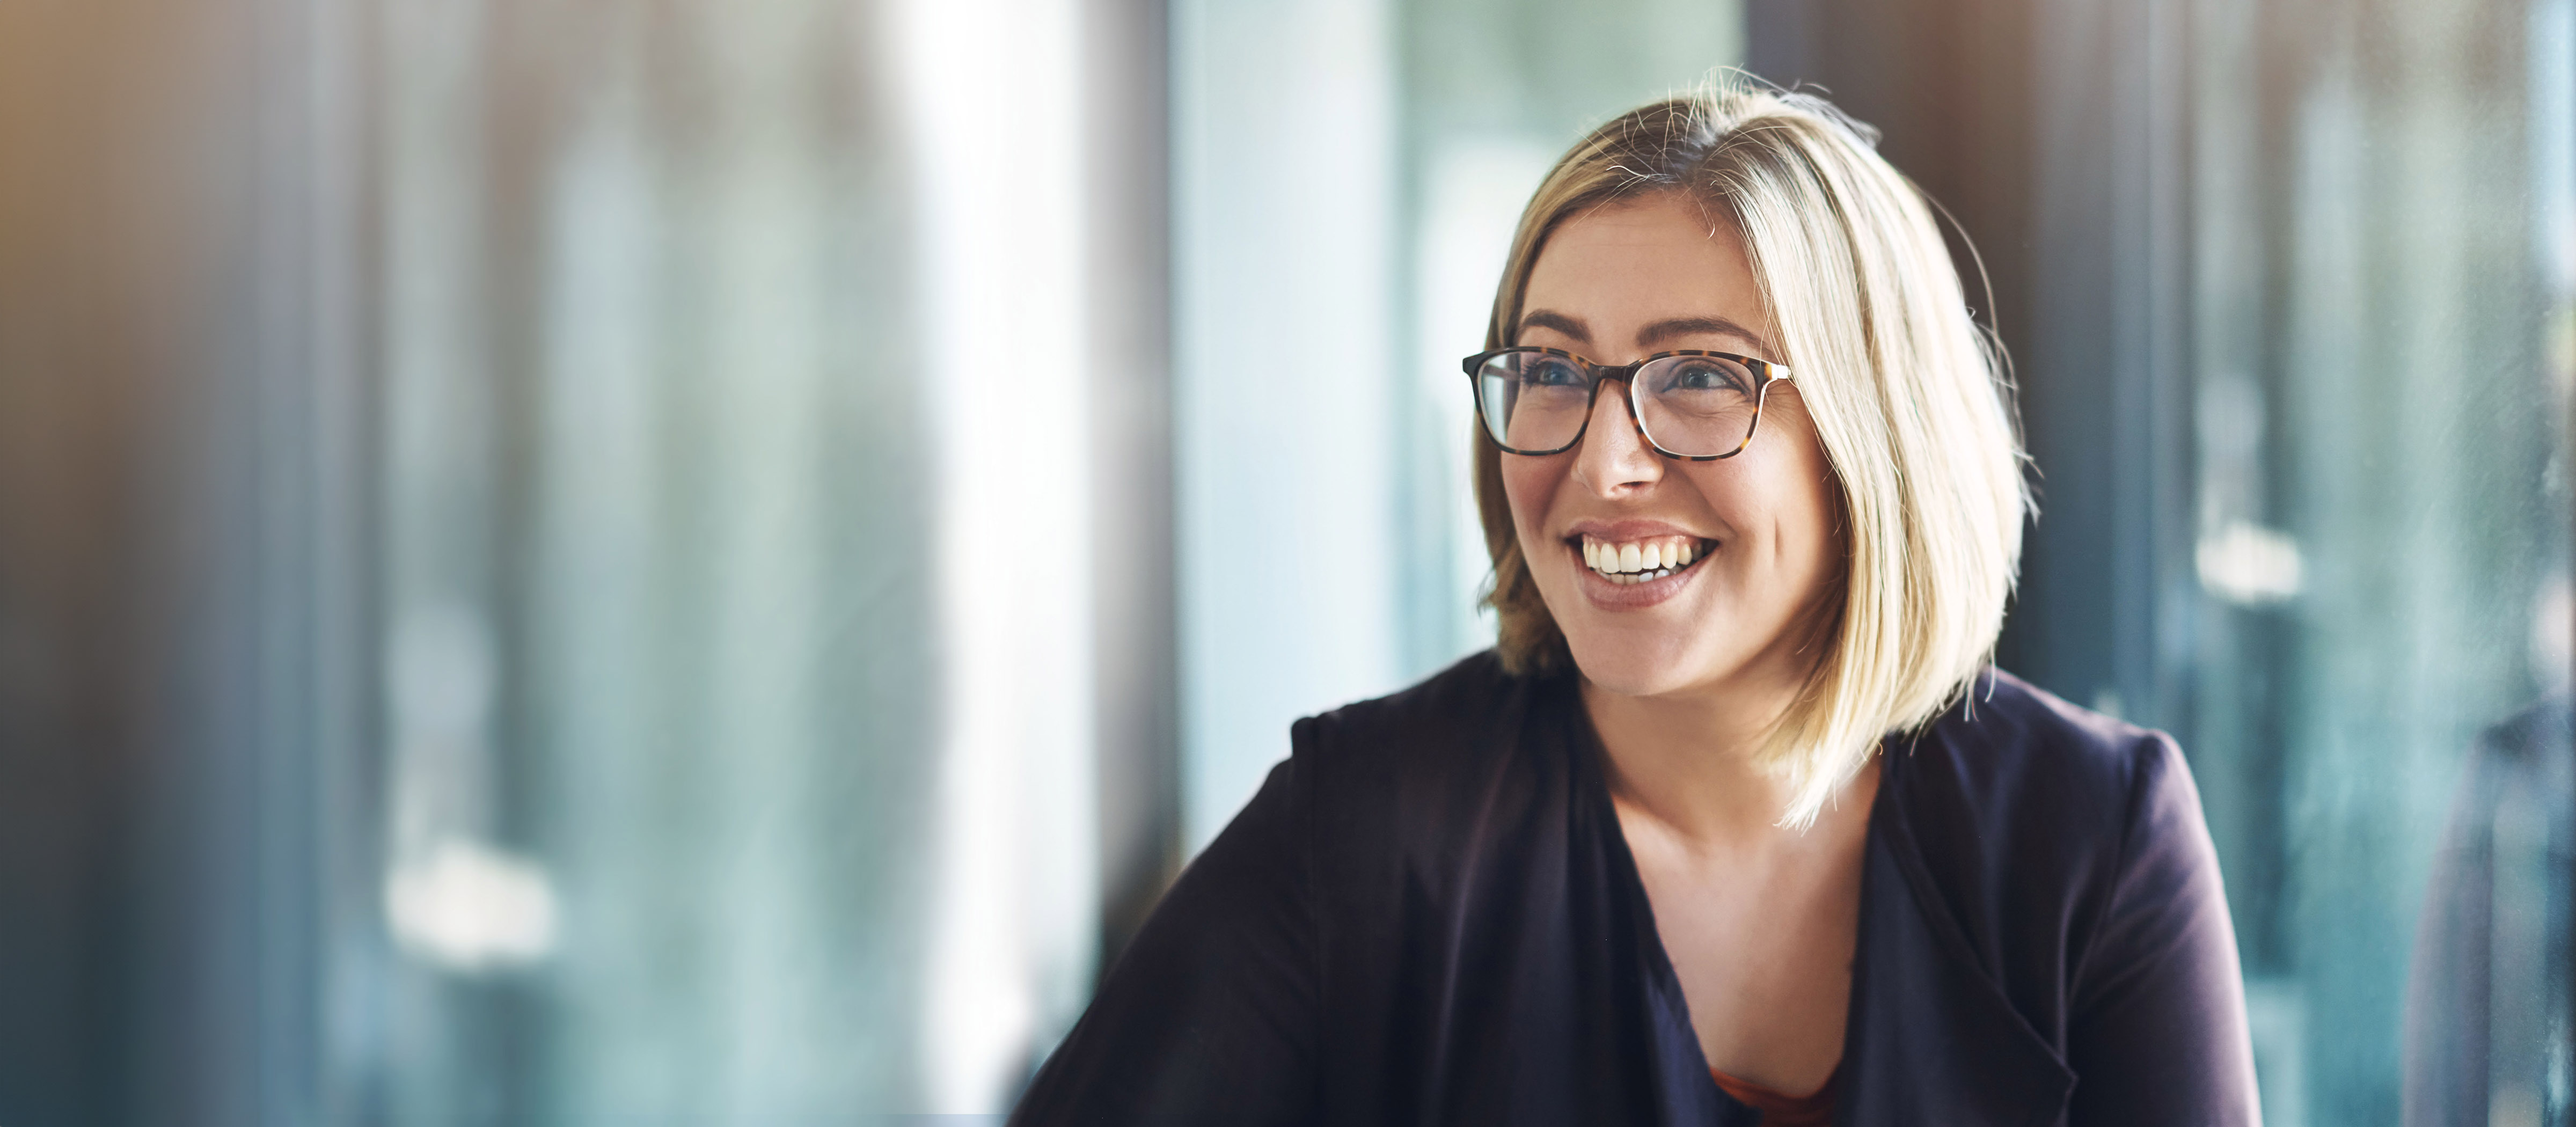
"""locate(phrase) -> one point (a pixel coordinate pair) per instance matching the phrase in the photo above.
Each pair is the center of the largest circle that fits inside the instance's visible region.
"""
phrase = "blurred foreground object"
(523, 592)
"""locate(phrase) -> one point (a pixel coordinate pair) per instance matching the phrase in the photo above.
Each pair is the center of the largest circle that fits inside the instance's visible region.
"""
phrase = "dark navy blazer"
(1428, 915)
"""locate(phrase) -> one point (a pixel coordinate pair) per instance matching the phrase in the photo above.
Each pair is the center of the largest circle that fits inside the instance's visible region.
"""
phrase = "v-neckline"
(1663, 981)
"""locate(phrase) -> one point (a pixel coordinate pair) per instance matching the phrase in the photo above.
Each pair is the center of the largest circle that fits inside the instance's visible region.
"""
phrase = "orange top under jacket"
(1815, 1109)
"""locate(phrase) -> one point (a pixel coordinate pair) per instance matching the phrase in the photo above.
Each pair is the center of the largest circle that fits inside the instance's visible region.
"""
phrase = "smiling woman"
(1736, 824)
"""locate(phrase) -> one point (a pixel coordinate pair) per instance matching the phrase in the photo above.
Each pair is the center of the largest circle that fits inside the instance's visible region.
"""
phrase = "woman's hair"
(1910, 400)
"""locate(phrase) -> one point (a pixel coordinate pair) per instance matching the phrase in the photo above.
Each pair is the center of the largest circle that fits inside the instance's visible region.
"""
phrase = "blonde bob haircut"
(1909, 398)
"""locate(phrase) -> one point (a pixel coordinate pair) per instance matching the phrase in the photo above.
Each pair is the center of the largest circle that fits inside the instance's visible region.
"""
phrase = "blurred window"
(735, 560)
(2379, 227)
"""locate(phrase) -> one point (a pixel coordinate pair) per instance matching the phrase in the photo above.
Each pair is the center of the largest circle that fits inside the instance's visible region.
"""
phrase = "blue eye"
(1552, 371)
(1706, 376)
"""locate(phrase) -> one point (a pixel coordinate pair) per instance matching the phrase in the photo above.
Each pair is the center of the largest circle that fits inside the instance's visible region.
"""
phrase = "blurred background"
(670, 562)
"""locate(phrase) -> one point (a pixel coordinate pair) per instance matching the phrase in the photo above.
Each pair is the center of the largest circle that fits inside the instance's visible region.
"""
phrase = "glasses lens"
(1697, 406)
(1532, 401)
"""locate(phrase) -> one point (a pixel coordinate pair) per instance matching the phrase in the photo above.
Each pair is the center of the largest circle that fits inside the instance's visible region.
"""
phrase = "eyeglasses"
(1691, 405)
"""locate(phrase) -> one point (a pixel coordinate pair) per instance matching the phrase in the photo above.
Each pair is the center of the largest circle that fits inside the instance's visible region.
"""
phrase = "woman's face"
(1614, 286)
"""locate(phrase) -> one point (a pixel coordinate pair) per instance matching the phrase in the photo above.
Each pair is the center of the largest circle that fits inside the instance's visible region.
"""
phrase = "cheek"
(1812, 514)
(1802, 501)
(1788, 511)
(1529, 486)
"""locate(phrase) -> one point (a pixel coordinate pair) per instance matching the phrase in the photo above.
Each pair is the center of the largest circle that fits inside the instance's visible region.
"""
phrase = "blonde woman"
(1735, 825)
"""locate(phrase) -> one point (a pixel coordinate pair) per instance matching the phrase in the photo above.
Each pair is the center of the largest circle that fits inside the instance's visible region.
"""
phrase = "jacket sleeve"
(1209, 1017)
(2157, 1025)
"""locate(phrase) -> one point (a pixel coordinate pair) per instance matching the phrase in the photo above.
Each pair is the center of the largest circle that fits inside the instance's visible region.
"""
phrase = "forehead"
(1630, 265)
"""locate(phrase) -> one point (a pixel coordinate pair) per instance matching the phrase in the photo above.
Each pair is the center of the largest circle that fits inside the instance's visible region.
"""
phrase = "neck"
(1691, 762)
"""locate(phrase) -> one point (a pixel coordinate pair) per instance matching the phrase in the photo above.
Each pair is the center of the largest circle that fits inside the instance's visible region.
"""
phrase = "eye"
(1707, 375)
(1551, 371)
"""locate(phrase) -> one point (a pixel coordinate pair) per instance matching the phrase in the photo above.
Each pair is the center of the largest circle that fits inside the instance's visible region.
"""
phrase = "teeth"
(1641, 560)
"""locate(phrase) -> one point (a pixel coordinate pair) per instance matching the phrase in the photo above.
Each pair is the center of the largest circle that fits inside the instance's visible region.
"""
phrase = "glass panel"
(737, 715)
(2380, 269)
(1283, 197)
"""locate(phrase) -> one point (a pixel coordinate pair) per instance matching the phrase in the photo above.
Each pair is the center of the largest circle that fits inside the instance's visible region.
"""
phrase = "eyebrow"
(1665, 330)
(1649, 336)
(1551, 319)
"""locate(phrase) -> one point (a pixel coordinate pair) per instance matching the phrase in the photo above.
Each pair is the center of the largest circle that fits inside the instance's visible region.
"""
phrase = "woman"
(1735, 825)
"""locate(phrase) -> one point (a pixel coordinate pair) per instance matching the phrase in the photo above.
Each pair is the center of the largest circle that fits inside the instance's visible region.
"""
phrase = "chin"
(1633, 667)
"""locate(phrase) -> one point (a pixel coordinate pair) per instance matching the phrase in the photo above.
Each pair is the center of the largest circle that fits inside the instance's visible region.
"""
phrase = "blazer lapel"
(1931, 1038)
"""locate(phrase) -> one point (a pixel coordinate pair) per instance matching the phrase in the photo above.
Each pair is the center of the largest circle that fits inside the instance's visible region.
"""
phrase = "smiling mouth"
(1641, 561)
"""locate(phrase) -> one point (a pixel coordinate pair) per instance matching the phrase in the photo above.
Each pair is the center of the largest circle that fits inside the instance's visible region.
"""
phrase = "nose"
(1613, 458)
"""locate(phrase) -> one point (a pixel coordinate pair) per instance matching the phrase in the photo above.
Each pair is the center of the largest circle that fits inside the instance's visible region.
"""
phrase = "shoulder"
(1471, 753)
(1450, 720)
(2012, 754)
(1471, 687)
(2023, 807)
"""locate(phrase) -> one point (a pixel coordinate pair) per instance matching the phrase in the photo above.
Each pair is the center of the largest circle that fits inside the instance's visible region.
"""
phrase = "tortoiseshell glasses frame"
(1695, 413)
